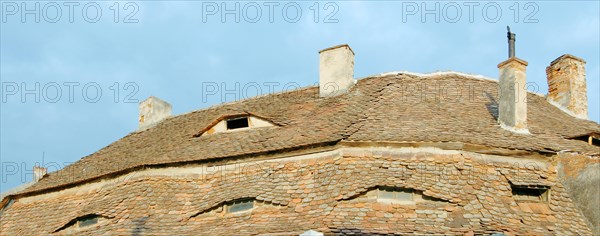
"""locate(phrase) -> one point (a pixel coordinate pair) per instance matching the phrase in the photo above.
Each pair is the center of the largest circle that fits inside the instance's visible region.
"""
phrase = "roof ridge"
(436, 74)
(445, 73)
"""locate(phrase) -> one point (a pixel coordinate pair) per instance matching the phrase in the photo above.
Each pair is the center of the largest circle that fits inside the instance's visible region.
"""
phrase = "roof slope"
(394, 107)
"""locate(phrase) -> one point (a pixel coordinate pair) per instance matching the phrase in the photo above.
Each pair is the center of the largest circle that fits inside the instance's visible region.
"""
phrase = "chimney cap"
(511, 42)
(337, 46)
(513, 59)
(566, 56)
(509, 34)
(151, 98)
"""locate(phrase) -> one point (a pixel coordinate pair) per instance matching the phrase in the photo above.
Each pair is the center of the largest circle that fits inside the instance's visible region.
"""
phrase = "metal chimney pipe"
(511, 42)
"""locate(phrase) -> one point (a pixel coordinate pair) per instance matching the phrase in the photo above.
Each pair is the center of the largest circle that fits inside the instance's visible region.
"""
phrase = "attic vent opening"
(88, 220)
(390, 193)
(82, 223)
(591, 138)
(530, 193)
(237, 123)
(234, 123)
(240, 205)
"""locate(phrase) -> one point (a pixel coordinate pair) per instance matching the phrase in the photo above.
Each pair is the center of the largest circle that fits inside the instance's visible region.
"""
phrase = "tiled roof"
(387, 108)
(468, 195)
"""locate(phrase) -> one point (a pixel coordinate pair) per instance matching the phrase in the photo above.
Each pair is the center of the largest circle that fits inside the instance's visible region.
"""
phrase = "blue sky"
(172, 49)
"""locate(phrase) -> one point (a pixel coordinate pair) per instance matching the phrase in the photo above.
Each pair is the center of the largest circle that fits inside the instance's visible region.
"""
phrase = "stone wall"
(466, 193)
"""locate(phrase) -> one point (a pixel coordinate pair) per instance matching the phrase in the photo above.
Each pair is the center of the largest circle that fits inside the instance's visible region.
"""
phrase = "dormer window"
(82, 223)
(391, 194)
(88, 220)
(591, 138)
(233, 123)
(402, 196)
(238, 123)
(240, 205)
(528, 193)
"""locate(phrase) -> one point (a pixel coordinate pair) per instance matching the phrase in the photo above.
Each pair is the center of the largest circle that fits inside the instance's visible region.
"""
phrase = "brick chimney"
(512, 104)
(39, 173)
(336, 70)
(567, 86)
(152, 111)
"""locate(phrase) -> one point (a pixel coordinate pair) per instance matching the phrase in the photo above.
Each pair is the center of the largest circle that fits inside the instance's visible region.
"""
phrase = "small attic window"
(395, 194)
(530, 193)
(591, 138)
(88, 220)
(240, 205)
(234, 123)
(237, 123)
(81, 223)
